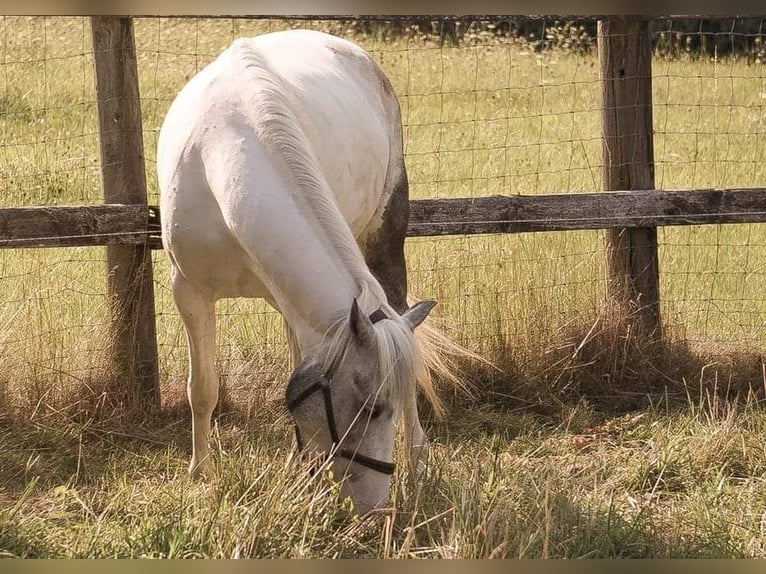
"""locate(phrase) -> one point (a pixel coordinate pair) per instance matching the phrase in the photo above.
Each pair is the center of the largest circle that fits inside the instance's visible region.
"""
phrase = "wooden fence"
(629, 208)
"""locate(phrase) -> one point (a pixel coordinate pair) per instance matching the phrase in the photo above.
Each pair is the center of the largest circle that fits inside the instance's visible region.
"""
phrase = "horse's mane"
(273, 116)
(274, 119)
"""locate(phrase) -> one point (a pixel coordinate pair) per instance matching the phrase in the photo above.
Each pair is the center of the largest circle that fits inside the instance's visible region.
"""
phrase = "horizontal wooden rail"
(572, 211)
(83, 225)
(79, 225)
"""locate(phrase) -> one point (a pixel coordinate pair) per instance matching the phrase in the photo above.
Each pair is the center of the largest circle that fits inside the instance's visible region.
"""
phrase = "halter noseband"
(323, 385)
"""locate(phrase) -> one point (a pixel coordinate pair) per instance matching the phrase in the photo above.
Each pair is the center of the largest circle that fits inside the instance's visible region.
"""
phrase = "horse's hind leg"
(384, 248)
(384, 253)
(197, 311)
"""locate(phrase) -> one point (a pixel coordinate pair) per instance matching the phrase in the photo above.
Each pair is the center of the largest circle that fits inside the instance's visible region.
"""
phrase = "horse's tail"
(442, 358)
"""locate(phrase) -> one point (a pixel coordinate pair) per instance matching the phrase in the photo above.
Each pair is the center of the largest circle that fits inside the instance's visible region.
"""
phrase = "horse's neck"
(306, 256)
(313, 325)
(318, 295)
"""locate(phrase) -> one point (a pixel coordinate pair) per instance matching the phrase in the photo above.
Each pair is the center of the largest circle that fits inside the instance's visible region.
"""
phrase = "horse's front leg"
(198, 314)
(293, 346)
(415, 438)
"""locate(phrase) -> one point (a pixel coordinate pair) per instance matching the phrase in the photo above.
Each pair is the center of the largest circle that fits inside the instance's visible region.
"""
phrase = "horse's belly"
(213, 261)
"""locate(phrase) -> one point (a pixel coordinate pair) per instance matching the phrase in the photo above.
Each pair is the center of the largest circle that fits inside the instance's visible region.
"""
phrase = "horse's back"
(345, 107)
(214, 144)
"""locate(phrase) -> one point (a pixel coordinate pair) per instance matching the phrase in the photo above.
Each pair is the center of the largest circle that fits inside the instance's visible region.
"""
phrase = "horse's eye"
(371, 409)
(374, 411)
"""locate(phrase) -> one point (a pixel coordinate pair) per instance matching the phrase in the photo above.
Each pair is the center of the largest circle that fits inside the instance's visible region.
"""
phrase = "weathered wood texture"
(129, 267)
(79, 225)
(600, 210)
(625, 71)
(82, 225)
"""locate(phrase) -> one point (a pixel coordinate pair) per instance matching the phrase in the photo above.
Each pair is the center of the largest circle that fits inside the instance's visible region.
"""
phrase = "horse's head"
(347, 397)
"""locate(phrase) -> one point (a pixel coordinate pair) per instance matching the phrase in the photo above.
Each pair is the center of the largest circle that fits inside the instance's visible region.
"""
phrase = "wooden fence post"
(625, 66)
(129, 268)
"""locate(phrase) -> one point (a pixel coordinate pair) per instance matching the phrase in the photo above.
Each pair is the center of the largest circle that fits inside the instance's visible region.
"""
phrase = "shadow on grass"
(58, 452)
(607, 368)
(538, 509)
(92, 439)
(20, 545)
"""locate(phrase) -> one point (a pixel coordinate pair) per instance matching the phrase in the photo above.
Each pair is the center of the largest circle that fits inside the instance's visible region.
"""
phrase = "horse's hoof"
(200, 471)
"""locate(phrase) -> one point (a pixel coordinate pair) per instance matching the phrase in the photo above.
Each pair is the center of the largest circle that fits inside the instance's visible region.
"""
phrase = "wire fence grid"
(489, 107)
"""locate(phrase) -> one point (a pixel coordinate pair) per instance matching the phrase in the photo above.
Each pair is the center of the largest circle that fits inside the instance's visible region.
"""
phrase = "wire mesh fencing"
(497, 106)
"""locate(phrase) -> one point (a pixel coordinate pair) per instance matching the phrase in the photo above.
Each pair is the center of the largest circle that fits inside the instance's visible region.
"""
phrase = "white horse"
(282, 176)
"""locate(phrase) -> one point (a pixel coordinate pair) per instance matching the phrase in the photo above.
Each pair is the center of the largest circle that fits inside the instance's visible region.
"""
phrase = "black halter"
(323, 385)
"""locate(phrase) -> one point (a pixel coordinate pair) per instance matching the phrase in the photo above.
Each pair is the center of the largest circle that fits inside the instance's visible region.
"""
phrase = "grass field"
(583, 444)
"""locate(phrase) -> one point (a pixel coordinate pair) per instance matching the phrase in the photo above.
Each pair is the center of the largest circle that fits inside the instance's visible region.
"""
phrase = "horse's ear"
(361, 326)
(416, 314)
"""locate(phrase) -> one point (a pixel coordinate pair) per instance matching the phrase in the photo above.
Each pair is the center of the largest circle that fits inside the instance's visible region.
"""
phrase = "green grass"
(586, 443)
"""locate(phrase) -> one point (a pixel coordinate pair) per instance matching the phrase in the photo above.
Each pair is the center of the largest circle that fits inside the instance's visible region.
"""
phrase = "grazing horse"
(282, 176)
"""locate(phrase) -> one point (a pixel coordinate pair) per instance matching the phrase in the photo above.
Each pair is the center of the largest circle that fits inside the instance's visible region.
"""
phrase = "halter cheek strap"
(377, 315)
(323, 385)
